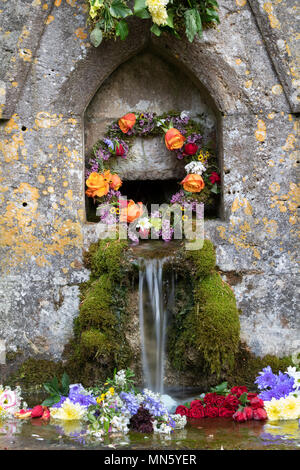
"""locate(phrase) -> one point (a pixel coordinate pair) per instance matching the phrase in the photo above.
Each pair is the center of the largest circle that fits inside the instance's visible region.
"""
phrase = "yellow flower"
(99, 400)
(111, 390)
(289, 429)
(68, 411)
(291, 408)
(273, 409)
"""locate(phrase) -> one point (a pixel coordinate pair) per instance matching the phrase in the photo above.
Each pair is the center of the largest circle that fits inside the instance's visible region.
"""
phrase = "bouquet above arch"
(107, 18)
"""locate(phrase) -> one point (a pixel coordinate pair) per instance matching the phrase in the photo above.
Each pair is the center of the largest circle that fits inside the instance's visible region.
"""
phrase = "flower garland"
(182, 136)
(108, 17)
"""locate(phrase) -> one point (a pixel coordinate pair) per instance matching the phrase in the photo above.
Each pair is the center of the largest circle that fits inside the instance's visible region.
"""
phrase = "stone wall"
(49, 75)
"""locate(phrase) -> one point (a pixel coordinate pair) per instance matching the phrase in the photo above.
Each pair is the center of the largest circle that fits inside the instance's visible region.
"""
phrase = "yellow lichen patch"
(290, 143)
(10, 147)
(248, 83)
(72, 3)
(41, 179)
(25, 54)
(274, 187)
(237, 203)
(271, 115)
(260, 133)
(241, 3)
(238, 61)
(57, 3)
(271, 162)
(15, 84)
(45, 6)
(222, 231)
(69, 194)
(277, 89)
(271, 226)
(12, 125)
(80, 33)
(49, 19)
(45, 120)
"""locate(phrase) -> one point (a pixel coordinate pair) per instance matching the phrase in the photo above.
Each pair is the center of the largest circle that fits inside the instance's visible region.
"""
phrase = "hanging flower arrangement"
(108, 18)
(183, 137)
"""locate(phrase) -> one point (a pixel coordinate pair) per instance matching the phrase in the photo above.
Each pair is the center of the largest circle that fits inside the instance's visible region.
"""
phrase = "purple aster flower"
(266, 378)
(130, 403)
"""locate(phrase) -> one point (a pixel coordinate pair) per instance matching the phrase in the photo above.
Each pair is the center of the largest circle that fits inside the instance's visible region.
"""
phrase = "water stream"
(156, 299)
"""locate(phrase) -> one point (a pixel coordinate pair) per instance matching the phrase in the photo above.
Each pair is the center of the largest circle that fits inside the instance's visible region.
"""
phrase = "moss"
(247, 366)
(204, 260)
(107, 257)
(34, 372)
(205, 332)
(99, 343)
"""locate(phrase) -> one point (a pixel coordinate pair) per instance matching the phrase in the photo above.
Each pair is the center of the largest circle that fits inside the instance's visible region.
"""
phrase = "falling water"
(156, 298)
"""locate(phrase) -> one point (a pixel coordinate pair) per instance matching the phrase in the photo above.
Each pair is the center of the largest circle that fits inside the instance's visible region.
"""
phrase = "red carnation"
(120, 150)
(251, 395)
(240, 416)
(190, 149)
(256, 403)
(211, 412)
(249, 412)
(197, 412)
(225, 413)
(214, 399)
(215, 178)
(259, 414)
(238, 391)
(182, 410)
(37, 411)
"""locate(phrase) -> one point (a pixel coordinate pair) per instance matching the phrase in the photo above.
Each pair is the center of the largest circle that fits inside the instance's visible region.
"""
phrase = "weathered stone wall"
(48, 77)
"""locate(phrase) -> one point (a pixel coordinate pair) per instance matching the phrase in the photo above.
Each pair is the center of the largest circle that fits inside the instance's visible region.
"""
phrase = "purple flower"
(266, 378)
(130, 403)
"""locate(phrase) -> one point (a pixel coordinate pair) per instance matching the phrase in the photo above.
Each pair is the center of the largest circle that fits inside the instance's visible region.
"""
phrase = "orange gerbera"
(97, 185)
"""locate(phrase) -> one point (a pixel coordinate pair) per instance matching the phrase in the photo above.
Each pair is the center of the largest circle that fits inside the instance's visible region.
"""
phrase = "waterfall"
(154, 305)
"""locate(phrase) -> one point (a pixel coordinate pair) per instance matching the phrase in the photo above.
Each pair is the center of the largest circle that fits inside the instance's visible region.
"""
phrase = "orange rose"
(193, 183)
(131, 212)
(115, 182)
(97, 185)
(173, 139)
(127, 122)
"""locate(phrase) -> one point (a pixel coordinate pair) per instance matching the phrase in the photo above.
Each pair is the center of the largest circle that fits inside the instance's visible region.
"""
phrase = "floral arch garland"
(183, 137)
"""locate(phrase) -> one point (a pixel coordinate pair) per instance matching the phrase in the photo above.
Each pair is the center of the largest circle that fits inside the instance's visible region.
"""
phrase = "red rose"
(249, 412)
(182, 410)
(197, 412)
(238, 391)
(240, 416)
(215, 178)
(256, 403)
(196, 404)
(211, 411)
(120, 150)
(259, 414)
(225, 413)
(214, 399)
(232, 402)
(190, 149)
(251, 395)
(37, 411)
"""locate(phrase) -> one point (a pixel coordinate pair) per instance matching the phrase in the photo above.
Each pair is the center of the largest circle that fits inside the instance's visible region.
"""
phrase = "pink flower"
(8, 400)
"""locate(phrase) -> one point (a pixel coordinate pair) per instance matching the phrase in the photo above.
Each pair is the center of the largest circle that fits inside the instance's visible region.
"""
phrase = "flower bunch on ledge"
(108, 17)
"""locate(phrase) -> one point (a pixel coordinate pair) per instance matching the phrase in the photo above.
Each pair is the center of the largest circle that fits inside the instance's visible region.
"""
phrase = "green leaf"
(51, 400)
(119, 10)
(191, 27)
(65, 382)
(171, 14)
(243, 398)
(140, 9)
(96, 37)
(50, 389)
(212, 15)
(122, 29)
(155, 30)
(214, 189)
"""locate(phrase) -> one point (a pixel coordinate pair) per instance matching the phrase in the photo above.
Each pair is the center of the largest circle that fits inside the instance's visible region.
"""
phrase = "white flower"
(293, 372)
(68, 411)
(180, 421)
(144, 223)
(184, 114)
(195, 167)
(120, 424)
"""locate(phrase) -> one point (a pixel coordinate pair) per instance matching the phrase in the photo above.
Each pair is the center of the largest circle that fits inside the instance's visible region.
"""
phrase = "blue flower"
(266, 378)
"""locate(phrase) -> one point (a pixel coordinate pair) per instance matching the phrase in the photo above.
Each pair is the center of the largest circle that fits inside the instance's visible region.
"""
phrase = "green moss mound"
(100, 343)
(205, 332)
(34, 372)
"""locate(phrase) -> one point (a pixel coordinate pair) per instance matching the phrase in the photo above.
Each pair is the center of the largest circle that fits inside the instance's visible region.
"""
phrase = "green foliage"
(55, 390)
(34, 372)
(106, 257)
(108, 16)
(205, 336)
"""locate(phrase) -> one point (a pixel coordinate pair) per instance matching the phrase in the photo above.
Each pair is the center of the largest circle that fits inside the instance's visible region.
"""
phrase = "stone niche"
(147, 83)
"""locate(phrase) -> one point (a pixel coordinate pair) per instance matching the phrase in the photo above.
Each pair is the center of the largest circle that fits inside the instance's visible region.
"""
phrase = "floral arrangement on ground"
(183, 137)
(107, 18)
(117, 406)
